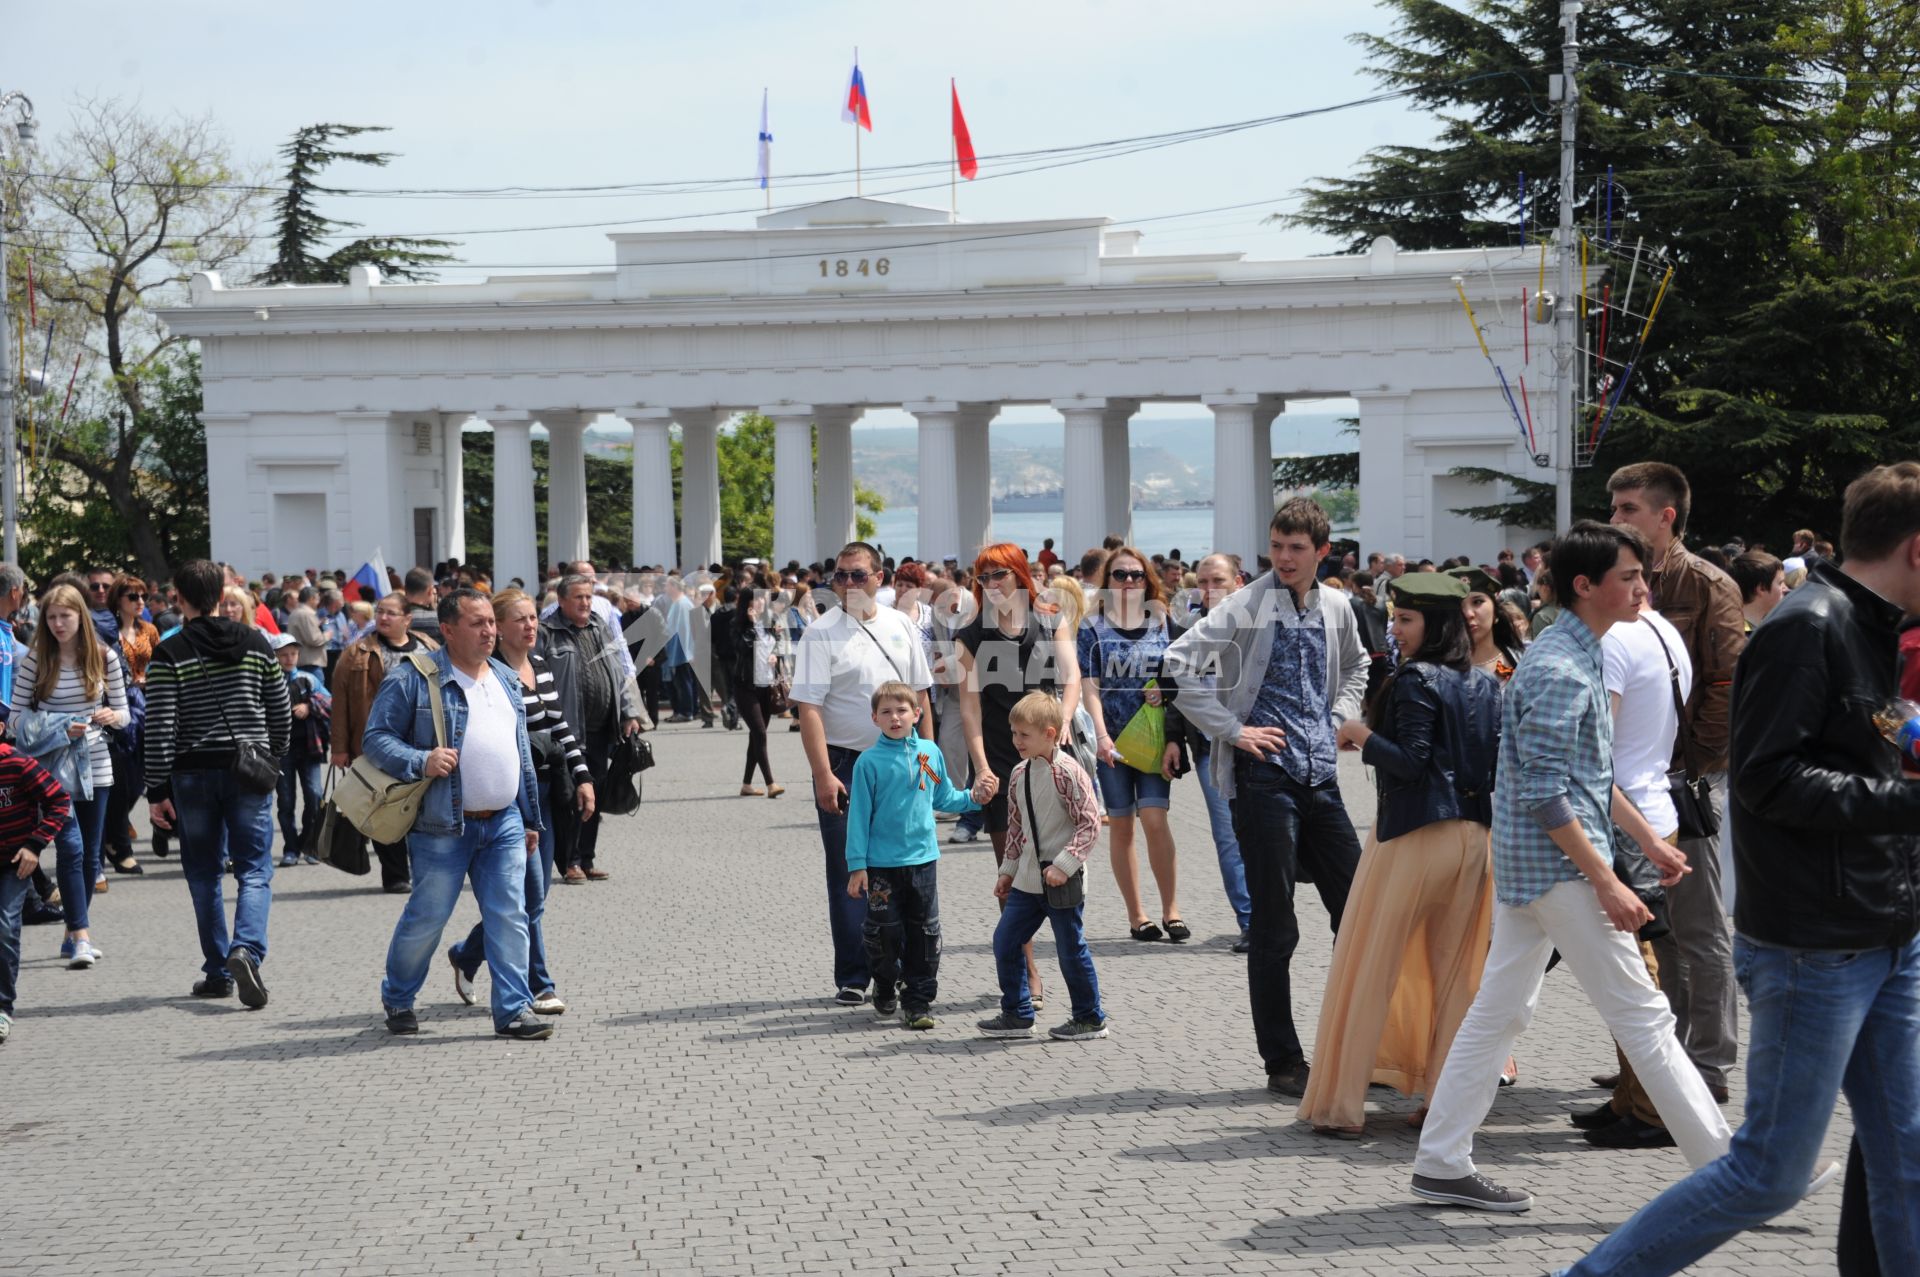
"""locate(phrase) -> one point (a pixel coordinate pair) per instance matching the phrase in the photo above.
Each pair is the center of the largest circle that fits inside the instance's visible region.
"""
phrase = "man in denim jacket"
(479, 820)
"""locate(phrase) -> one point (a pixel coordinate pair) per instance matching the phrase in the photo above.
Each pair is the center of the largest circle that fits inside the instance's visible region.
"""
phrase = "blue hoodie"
(890, 810)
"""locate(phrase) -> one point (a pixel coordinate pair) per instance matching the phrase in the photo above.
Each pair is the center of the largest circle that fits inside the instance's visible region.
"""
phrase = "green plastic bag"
(1142, 743)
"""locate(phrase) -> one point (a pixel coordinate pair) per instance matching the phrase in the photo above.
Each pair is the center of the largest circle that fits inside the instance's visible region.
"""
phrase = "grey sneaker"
(526, 1027)
(548, 1003)
(1475, 1190)
(1078, 1031)
(6, 1026)
(1005, 1026)
(401, 1020)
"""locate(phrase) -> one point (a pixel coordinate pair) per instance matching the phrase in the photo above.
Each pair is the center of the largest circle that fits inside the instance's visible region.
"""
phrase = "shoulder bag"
(1073, 892)
(254, 768)
(375, 803)
(1692, 793)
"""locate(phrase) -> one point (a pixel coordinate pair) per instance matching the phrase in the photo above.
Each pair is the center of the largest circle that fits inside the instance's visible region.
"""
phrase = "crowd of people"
(1579, 751)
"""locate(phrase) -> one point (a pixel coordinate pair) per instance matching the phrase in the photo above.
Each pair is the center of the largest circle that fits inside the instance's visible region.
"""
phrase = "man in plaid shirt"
(1555, 804)
(33, 808)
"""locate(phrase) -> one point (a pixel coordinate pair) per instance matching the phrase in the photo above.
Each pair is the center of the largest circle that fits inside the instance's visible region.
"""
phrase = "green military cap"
(1477, 581)
(1427, 589)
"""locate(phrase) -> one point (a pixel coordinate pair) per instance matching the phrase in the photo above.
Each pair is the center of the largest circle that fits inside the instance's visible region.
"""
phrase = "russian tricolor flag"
(856, 109)
(372, 577)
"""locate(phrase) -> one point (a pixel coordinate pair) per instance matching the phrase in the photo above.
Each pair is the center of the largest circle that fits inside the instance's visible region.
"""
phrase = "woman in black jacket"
(1413, 940)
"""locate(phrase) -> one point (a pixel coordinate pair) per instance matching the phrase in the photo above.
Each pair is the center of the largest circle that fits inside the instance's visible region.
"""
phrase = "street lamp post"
(23, 128)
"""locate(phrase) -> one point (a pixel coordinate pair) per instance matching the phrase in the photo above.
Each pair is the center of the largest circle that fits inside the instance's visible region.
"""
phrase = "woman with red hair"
(1004, 653)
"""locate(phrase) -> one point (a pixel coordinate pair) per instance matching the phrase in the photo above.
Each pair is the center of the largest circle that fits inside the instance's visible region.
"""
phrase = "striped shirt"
(191, 699)
(543, 715)
(33, 807)
(70, 697)
(1556, 742)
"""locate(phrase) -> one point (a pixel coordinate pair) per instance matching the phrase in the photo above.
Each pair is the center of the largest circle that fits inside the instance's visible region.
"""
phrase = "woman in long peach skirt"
(1414, 937)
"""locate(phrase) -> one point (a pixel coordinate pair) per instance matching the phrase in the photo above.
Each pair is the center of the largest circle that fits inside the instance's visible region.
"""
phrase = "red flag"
(962, 140)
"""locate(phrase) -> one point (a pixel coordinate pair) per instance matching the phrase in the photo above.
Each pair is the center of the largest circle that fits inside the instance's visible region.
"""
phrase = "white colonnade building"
(335, 414)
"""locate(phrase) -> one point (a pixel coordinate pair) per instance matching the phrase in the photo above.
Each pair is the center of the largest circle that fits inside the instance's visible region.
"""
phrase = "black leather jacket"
(1435, 749)
(1826, 831)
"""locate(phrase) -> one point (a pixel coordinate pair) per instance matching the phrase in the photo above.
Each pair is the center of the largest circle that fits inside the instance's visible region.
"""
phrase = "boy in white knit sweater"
(1053, 821)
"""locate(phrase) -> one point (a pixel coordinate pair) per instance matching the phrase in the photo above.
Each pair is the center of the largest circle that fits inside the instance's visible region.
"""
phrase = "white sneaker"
(6, 1026)
(549, 1003)
(462, 982)
(1823, 1175)
(83, 956)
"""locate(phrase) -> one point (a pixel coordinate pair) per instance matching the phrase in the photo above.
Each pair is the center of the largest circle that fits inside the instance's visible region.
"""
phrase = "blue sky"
(562, 92)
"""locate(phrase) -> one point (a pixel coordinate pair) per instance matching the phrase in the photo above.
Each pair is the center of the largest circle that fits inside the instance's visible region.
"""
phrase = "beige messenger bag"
(373, 802)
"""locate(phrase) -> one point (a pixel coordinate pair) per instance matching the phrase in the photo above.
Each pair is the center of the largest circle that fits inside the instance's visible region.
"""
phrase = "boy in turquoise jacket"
(892, 851)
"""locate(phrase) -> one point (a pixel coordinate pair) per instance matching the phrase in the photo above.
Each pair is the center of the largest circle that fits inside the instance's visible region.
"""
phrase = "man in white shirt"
(842, 657)
(1645, 686)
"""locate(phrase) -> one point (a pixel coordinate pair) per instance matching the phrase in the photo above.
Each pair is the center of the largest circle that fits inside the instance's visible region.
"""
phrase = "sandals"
(1145, 931)
(1511, 1074)
(1340, 1132)
(1177, 930)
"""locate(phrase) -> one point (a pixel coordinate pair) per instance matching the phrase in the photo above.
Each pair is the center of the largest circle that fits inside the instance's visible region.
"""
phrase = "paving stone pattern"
(704, 1109)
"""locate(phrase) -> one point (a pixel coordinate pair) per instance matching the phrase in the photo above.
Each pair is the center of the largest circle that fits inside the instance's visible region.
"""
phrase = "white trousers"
(1609, 967)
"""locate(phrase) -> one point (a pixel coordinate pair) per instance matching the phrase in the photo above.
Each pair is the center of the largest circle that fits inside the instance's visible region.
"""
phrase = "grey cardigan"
(1221, 661)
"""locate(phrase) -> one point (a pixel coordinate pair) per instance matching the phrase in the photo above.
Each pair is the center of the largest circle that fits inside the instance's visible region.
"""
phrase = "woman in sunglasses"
(127, 600)
(1121, 646)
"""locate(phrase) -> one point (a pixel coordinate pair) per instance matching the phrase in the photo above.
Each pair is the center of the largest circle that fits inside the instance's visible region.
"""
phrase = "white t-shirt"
(1645, 728)
(490, 750)
(839, 663)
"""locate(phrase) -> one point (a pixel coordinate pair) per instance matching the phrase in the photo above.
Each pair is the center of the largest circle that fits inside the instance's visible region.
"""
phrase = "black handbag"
(1642, 877)
(336, 841)
(621, 795)
(1692, 793)
(1070, 894)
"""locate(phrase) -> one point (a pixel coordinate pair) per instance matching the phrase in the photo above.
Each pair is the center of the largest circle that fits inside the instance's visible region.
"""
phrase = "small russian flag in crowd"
(372, 577)
(856, 109)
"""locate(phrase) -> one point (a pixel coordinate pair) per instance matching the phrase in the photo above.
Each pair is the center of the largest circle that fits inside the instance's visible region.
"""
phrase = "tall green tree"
(299, 254)
(1744, 140)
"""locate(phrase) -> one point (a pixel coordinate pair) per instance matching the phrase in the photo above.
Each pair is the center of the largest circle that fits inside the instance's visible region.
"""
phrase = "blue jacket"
(890, 810)
(399, 734)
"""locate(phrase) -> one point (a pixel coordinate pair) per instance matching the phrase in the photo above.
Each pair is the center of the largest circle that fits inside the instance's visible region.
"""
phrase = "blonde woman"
(238, 606)
(68, 670)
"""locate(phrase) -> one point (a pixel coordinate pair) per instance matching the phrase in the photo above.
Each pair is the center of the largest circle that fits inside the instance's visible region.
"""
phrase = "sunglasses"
(135, 595)
(99, 587)
(996, 574)
(851, 578)
(1126, 576)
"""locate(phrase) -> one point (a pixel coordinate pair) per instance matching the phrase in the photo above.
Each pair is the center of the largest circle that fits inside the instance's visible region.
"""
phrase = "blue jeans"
(1124, 789)
(13, 896)
(846, 916)
(1233, 874)
(78, 847)
(902, 932)
(1819, 1023)
(298, 779)
(1284, 826)
(493, 855)
(1019, 921)
(472, 951)
(220, 821)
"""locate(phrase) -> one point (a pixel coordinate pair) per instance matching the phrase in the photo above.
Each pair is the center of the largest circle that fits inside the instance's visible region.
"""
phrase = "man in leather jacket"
(1827, 845)
(599, 701)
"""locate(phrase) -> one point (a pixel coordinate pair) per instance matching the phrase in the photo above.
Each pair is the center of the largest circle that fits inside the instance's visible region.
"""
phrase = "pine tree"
(297, 259)
(1727, 130)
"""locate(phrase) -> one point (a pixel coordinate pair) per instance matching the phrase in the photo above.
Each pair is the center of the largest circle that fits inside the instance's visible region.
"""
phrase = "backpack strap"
(431, 672)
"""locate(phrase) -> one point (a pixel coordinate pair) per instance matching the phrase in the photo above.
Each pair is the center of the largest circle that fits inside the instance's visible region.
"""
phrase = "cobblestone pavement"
(704, 1109)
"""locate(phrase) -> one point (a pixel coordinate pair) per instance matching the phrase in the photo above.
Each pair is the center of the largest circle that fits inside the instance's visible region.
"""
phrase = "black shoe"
(526, 1027)
(401, 1021)
(41, 917)
(1630, 1132)
(212, 987)
(1594, 1118)
(1006, 1026)
(848, 996)
(1292, 1083)
(131, 866)
(398, 888)
(1244, 944)
(885, 1006)
(245, 970)
(1718, 1091)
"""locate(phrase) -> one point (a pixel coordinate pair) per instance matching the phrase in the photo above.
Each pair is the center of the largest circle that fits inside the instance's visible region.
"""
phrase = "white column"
(652, 485)
(514, 551)
(566, 485)
(973, 475)
(793, 529)
(1114, 443)
(1260, 463)
(1238, 526)
(699, 486)
(1085, 474)
(453, 485)
(376, 486)
(1383, 475)
(939, 531)
(833, 513)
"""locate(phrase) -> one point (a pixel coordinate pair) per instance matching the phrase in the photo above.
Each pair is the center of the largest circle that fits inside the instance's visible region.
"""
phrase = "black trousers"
(1282, 826)
(395, 866)
(755, 705)
(902, 933)
(574, 839)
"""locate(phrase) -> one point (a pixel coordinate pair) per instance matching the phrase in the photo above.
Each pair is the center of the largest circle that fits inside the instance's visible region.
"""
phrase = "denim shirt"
(1293, 695)
(399, 735)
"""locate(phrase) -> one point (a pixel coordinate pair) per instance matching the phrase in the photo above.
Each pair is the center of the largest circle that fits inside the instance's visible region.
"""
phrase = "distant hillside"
(1171, 458)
